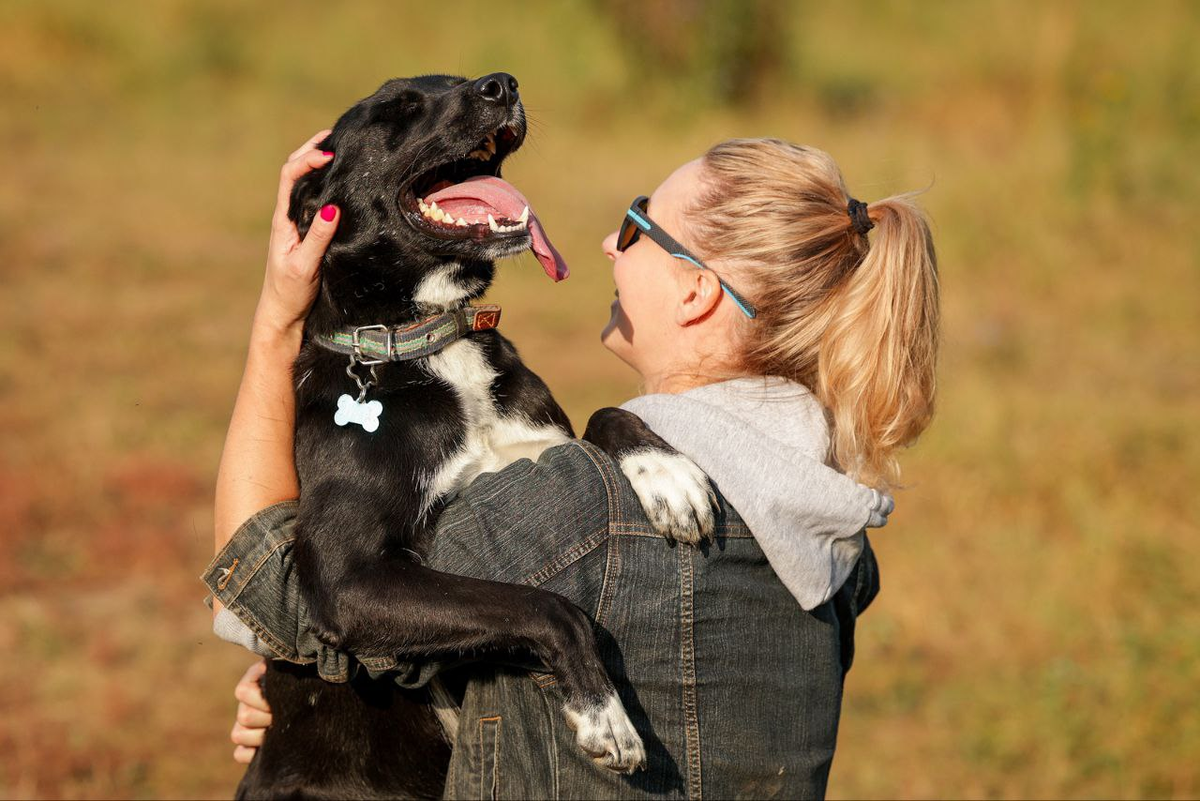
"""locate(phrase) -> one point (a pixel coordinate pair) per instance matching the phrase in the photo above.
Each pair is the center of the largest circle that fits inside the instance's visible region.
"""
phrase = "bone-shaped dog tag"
(365, 414)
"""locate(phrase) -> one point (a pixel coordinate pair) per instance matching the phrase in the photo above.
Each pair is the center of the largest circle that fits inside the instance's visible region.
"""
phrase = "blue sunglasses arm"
(645, 226)
(728, 291)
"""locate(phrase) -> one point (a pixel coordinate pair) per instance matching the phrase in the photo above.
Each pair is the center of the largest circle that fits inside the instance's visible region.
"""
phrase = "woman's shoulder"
(568, 486)
(571, 474)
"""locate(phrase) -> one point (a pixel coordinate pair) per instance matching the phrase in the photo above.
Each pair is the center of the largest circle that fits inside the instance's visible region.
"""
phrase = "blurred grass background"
(1038, 633)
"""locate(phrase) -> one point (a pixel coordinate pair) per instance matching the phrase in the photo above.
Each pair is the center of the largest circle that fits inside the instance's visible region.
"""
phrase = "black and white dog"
(404, 394)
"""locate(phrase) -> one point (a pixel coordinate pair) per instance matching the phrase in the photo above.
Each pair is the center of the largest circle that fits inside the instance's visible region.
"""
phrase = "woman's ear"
(700, 291)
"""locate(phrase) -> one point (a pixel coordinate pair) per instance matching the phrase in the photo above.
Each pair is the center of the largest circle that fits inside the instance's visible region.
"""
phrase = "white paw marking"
(675, 494)
(606, 733)
(351, 411)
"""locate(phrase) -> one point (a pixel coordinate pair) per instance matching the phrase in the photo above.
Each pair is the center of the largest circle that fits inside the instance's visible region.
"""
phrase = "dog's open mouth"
(466, 199)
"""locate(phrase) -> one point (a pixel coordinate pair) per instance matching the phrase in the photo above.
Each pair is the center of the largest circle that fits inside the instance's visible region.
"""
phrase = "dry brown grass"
(1038, 632)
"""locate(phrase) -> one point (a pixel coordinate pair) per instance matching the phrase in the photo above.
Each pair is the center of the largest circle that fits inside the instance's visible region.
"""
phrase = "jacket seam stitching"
(688, 685)
(259, 522)
(249, 574)
(497, 719)
(643, 530)
(612, 563)
(565, 560)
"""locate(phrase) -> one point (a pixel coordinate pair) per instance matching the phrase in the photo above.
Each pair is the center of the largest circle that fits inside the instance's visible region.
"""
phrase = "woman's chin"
(612, 340)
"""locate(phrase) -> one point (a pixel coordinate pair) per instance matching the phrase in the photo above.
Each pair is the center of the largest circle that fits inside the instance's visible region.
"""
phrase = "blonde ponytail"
(877, 357)
(853, 316)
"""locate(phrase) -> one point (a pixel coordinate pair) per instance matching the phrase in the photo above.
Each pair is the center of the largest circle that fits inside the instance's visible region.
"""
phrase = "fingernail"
(328, 213)
(326, 152)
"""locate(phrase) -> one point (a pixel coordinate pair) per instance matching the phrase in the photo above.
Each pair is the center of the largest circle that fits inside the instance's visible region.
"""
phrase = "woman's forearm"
(257, 465)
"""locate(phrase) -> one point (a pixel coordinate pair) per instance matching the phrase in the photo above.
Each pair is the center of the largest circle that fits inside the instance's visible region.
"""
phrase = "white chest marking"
(443, 287)
(491, 440)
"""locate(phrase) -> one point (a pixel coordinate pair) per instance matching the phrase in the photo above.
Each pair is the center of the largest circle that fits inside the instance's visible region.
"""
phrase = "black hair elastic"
(858, 216)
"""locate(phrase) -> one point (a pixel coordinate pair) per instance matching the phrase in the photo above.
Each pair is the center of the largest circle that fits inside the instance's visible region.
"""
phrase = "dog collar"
(377, 344)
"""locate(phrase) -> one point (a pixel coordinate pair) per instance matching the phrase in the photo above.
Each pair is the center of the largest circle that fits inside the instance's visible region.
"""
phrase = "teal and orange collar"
(377, 344)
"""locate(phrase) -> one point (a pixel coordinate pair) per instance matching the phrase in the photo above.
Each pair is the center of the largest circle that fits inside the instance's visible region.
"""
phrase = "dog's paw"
(675, 494)
(605, 732)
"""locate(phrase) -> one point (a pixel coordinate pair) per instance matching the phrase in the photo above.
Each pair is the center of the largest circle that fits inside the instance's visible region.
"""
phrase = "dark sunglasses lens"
(629, 229)
(627, 235)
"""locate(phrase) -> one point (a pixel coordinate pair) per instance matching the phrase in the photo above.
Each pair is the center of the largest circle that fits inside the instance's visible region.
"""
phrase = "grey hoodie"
(765, 444)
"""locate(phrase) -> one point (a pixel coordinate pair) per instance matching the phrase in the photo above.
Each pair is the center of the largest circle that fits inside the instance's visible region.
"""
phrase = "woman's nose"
(609, 246)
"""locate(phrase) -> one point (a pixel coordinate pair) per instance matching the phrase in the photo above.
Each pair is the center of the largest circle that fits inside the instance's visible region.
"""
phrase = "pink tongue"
(475, 198)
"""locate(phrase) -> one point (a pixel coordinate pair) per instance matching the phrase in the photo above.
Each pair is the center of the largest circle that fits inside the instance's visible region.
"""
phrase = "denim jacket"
(734, 688)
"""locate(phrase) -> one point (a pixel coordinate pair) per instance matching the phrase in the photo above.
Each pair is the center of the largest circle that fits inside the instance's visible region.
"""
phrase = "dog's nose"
(499, 87)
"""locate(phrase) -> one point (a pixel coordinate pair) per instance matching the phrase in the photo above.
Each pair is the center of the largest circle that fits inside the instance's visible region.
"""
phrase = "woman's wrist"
(276, 340)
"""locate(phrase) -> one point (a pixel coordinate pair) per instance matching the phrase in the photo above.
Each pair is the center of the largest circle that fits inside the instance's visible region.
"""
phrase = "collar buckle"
(389, 344)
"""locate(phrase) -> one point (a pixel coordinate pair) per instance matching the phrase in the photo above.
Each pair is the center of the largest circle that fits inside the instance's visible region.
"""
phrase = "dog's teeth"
(524, 218)
(422, 206)
(492, 224)
(460, 221)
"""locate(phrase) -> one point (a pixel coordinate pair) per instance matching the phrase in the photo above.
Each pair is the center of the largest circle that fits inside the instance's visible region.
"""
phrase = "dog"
(404, 393)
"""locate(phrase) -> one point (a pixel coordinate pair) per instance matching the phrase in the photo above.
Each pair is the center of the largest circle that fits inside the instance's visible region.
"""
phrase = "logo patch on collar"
(485, 318)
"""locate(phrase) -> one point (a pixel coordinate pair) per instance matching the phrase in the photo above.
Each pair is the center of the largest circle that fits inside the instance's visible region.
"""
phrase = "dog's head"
(416, 174)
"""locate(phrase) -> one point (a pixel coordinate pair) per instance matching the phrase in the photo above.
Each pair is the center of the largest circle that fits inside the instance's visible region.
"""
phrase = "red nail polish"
(326, 152)
(328, 213)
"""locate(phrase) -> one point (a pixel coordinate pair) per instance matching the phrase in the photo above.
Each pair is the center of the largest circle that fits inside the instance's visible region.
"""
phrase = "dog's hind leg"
(363, 738)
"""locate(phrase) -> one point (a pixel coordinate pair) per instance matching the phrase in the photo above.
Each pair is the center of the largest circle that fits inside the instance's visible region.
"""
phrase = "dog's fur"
(369, 500)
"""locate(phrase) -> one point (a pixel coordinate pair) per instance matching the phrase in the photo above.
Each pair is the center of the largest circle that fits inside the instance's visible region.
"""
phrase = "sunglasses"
(637, 222)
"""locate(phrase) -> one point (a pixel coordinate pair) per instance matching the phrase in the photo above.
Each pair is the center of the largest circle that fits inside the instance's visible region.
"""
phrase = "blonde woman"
(786, 334)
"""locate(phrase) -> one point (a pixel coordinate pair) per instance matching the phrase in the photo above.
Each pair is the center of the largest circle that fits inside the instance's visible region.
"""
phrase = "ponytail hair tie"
(858, 216)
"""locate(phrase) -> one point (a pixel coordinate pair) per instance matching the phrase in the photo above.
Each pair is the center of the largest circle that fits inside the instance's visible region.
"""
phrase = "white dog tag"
(365, 414)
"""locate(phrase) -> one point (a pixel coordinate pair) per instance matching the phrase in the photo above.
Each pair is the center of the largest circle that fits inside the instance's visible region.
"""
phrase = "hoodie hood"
(765, 444)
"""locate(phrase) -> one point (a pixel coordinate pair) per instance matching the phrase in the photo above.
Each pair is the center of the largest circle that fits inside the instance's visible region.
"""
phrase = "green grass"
(1038, 632)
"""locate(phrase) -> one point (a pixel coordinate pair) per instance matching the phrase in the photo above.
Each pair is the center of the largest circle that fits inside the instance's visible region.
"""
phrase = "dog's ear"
(308, 191)
(316, 188)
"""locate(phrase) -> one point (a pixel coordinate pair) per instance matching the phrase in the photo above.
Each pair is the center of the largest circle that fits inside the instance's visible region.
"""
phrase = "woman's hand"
(253, 714)
(293, 264)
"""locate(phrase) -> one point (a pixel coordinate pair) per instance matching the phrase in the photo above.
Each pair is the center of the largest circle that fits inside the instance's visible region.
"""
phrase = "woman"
(778, 325)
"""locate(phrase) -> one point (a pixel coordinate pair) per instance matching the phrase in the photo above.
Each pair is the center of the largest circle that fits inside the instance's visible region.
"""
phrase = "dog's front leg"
(398, 607)
(675, 494)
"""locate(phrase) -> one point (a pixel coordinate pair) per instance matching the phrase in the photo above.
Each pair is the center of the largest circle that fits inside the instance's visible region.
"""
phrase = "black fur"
(364, 509)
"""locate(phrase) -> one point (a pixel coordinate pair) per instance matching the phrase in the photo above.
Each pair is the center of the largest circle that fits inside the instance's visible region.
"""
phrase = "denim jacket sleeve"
(254, 575)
